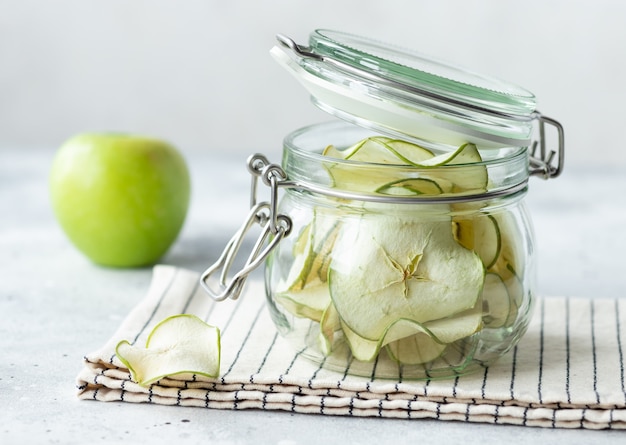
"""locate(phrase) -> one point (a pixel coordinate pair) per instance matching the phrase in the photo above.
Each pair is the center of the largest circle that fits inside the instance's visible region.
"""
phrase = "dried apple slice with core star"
(388, 268)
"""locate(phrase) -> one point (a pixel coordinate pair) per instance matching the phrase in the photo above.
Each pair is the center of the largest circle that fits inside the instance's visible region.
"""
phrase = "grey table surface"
(55, 306)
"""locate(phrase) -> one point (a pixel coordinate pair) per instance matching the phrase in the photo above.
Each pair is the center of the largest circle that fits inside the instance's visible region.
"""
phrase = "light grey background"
(198, 72)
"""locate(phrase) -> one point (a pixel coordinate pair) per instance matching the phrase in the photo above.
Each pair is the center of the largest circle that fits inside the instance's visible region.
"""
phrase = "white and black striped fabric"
(567, 372)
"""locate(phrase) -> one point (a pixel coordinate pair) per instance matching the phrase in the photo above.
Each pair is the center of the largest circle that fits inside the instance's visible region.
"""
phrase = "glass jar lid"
(401, 92)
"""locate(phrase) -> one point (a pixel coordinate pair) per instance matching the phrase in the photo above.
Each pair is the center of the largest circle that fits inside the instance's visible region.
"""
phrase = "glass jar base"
(455, 360)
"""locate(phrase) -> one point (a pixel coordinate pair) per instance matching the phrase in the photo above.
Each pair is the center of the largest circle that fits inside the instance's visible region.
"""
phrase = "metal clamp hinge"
(541, 163)
(274, 227)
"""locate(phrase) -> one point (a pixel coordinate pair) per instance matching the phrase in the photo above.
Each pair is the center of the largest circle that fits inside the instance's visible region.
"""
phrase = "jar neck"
(500, 172)
(300, 198)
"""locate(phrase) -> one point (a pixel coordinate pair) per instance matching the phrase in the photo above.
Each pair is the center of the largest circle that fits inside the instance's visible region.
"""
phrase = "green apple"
(121, 199)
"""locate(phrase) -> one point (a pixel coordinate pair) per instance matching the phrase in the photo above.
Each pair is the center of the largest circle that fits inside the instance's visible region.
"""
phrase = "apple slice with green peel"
(427, 346)
(303, 241)
(375, 151)
(381, 150)
(330, 324)
(404, 336)
(177, 345)
(305, 292)
(495, 239)
(412, 154)
(302, 259)
(362, 348)
(308, 302)
(451, 329)
(481, 234)
(415, 350)
(378, 150)
(465, 154)
(512, 252)
(388, 268)
(323, 248)
(332, 152)
(312, 252)
(470, 176)
(496, 301)
(510, 263)
(366, 350)
(411, 187)
(515, 289)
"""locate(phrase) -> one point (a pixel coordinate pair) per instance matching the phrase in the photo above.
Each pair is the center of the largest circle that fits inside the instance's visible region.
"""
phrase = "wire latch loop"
(274, 227)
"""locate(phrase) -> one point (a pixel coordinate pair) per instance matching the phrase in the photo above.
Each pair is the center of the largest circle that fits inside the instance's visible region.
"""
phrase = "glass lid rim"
(493, 92)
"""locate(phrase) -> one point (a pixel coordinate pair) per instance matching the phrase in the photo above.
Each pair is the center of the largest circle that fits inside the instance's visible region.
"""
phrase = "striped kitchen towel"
(567, 372)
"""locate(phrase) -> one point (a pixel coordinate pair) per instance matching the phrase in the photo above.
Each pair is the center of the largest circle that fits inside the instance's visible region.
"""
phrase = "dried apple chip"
(177, 345)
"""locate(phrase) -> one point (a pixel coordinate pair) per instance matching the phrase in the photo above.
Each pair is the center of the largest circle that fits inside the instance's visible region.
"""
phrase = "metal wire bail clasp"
(274, 226)
(541, 163)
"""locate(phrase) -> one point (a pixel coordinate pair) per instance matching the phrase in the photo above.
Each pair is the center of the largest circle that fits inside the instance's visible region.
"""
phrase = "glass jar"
(401, 246)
